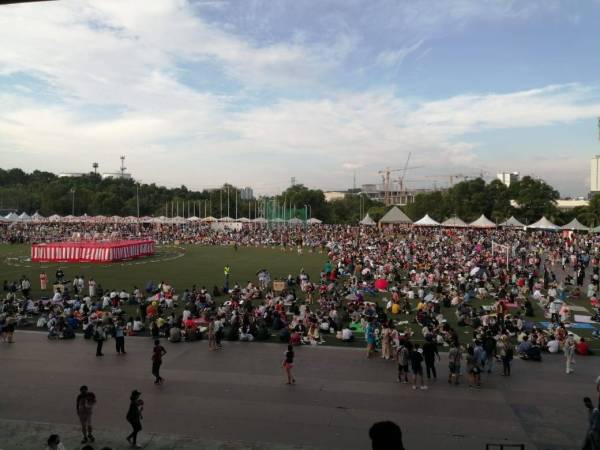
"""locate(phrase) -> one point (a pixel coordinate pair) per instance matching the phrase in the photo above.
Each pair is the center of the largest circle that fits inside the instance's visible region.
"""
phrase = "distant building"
(567, 204)
(70, 175)
(125, 176)
(508, 178)
(595, 174)
(397, 197)
(246, 193)
(334, 195)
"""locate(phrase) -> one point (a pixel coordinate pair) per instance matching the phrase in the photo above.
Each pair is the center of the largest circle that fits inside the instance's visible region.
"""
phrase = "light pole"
(309, 210)
(137, 195)
(73, 202)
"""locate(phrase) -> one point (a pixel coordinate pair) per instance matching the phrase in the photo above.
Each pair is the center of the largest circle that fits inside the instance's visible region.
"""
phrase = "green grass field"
(184, 266)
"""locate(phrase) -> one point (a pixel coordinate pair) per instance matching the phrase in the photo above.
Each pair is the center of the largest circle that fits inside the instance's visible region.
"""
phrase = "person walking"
(212, 335)
(157, 353)
(569, 351)
(134, 417)
(370, 338)
(430, 351)
(84, 405)
(288, 365)
(99, 337)
(120, 337)
(43, 281)
(506, 351)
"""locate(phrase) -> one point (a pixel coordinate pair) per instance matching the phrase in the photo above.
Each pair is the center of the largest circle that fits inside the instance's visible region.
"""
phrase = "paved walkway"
(235, 398)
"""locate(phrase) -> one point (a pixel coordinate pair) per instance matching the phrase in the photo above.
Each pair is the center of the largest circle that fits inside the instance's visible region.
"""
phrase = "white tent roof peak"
(482, 222)
(454, 222)
(367, 221)
(395, 215)
(543, 224)
(426, 221)
(575, 225)
(314, 221)
(512, 222)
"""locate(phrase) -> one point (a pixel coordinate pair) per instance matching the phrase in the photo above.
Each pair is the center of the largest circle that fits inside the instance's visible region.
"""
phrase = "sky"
(254, 92)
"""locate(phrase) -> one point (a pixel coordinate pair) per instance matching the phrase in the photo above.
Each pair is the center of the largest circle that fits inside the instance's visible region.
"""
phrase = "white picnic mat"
(583, 319)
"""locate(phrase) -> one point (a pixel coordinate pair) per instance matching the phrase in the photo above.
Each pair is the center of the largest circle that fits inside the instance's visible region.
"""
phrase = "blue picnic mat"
(575, 326)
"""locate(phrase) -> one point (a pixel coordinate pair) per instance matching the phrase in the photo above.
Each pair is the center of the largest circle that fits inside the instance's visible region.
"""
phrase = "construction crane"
(385, 176)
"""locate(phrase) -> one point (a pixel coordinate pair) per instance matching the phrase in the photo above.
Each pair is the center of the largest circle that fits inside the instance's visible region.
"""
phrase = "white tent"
(146, 219)
(295, 221)
(24, 216)
(244, 220)
(575, 225)
(209, 219)
(426, 221)
(367, 221)
(278, 220)
(12, 217)
(260, 220)
(395, 216)
(314, 221)
(226, 219)
(54, 218)
(193, 219)
(512, 222)
(454, 222)
(482, 222)
(37, 217)
(543, 224)
(178, 220)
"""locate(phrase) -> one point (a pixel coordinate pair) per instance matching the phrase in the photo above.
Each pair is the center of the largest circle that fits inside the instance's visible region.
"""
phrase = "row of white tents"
(38, 218)
(397, 216)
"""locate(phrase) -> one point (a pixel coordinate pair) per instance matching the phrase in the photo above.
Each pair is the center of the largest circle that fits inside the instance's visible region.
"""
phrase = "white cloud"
(391, 58)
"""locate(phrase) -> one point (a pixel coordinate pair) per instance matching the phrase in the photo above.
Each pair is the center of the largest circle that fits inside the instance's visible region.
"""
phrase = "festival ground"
(212, 399)
(184, 266)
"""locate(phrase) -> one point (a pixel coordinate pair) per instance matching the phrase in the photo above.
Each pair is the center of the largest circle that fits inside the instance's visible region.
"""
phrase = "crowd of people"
(408, 291)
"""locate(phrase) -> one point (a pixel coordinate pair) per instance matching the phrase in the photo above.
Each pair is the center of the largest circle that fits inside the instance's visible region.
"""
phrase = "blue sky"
(253, 92)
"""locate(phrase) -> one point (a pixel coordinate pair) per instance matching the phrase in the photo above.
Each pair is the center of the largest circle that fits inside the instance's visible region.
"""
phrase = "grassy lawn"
(186, 265)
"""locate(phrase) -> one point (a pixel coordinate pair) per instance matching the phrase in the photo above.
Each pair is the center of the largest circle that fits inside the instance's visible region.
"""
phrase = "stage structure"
(91, 251)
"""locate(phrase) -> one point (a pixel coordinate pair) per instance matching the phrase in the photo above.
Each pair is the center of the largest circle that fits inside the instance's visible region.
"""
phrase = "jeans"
(120, 344)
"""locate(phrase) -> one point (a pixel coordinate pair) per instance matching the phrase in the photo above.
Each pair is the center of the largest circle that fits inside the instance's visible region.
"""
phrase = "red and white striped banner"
(92, 251)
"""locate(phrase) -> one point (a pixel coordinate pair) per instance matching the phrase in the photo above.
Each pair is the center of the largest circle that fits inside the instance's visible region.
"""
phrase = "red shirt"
(582, 348)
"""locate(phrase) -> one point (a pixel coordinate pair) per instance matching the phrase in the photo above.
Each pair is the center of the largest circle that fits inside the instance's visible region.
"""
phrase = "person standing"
(43, 281)
(416, 364)
(92, 288)
(430, 351)
(84, 405)
(157, 353)
(120, 337)
(454, 359)
(592, 437)
(25, 286)
(212, 337)
(569, 351)
(99, 337)
(288, 364)
(134, 417)
(370, 338)
(403, 358)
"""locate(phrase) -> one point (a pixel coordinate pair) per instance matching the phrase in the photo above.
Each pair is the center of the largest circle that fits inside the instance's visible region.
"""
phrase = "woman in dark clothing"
(134, 417)
(430, 351)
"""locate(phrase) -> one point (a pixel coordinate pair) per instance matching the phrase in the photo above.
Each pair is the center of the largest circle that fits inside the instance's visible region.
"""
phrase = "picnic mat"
(356, 326)
(583, 319)
(578, 308)
(575, 326)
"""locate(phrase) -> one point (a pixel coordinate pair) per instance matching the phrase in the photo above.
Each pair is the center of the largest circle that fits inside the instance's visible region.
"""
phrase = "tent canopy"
(260, 220)
(314, 221)
(454, 222)
(575, 225)
(426, 221)
(512, 222)
(395, 215)
(367, 221)
(295, 221)
(543, 224)
(482, 222)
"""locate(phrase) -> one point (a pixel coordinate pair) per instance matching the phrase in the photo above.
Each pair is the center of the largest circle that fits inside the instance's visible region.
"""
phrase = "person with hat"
(134, 417)
(569, 351)
(84, 405)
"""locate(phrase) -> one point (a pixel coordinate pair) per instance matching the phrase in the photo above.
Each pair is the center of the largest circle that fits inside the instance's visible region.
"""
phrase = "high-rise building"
(595, 174)
(508, 177)
(246, 193)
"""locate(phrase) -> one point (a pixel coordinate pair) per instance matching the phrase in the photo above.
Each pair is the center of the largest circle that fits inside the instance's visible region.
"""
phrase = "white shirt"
(553, 346)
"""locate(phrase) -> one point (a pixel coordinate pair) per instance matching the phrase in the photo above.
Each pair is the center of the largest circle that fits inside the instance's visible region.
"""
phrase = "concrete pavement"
(235, 398)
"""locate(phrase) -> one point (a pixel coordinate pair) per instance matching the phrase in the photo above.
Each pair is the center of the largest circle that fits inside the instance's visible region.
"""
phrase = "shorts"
(288, 365)
(454, 369)
(85, 419)
(403, 367)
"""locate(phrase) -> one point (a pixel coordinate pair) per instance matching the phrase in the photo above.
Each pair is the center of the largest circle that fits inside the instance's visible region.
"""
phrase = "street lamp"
(73, 203)
(137, 194)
